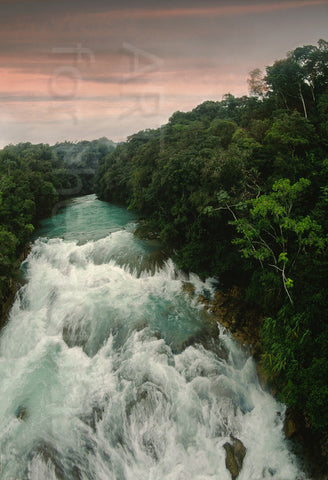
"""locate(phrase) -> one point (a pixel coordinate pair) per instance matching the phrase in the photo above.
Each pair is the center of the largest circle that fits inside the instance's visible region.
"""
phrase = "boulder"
(230, 461)
(240, 452)
(235, 453)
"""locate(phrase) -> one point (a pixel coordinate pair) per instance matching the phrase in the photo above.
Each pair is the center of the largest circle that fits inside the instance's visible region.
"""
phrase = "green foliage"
(297, 81)
(76, 164)
(274, 235)
(297, 361)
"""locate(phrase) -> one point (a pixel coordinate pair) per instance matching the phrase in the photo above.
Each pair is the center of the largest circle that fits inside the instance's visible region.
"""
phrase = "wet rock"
(93, 417)
(51, 456)
(309, 445)
(235, 453)
(291, 424)
(75, 335)
(230, 461)
(268, 472)
(231, 310)
(256, 349)
(145, 232)
(240, 452)
(324, 445)
(76, 472)
(150, 447)
(208, 337)
(188, 288)
(21, 413)
(263, 377)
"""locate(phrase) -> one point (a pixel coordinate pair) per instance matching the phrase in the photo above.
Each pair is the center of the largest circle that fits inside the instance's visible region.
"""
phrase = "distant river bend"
(105, 374)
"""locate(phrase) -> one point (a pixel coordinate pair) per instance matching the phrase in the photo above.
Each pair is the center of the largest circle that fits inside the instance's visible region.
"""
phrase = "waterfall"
(110, 369)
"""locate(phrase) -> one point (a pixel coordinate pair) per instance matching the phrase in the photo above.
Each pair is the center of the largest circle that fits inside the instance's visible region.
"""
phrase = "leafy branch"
(273, 235)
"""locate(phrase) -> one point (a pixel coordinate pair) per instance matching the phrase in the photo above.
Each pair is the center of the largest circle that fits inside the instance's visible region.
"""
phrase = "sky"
(83, 69)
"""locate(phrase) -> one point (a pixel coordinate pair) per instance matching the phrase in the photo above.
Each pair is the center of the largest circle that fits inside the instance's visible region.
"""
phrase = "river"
(111, 370)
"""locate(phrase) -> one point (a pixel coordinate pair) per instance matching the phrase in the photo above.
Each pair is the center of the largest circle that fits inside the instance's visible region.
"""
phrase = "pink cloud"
(210, 11)
(193, 63)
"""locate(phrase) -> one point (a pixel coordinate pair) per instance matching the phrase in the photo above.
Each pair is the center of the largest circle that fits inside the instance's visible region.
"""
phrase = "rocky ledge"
(231, 311)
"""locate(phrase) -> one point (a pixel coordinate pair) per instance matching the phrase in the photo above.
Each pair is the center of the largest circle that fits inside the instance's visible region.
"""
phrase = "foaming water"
(112, 371)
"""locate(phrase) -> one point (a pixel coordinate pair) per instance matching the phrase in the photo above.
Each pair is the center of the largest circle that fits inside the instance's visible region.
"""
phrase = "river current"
(111, 370)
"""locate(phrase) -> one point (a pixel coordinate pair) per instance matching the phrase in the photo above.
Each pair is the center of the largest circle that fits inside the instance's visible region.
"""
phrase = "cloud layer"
(86, 69)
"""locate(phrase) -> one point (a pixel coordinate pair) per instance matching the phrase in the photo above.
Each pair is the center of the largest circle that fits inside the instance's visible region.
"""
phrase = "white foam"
(88, 354)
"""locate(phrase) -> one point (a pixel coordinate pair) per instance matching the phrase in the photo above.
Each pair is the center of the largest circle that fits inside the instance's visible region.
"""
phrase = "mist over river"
(111, 370)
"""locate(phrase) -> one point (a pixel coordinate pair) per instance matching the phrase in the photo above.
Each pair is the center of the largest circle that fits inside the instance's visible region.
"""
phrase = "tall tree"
(256, 83)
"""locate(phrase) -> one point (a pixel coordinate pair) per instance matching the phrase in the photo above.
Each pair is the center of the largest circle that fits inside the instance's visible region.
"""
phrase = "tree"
(285, 79)
(273, 235)
(313, 64)
(256, 83)
(289, 141)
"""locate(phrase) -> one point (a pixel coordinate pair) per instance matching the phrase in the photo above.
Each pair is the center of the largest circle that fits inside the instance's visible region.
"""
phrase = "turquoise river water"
(111, 370)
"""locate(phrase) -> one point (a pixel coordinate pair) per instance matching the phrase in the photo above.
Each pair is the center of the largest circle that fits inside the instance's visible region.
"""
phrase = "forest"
(236, 189)
(33, 180)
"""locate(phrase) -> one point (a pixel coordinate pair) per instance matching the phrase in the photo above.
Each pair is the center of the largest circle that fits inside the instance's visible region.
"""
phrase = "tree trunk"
(303, 102)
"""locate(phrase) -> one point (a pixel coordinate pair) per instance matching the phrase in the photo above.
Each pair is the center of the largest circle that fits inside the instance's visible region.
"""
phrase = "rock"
(145, 232)
(93, 417)
(21, 413)
(235, 454)
(262, 376)
(50, 456)
(230, 461)
(231, 310)
(268, 471)
(240, 452)
(189, 288)
(256, 349)
(291, 424)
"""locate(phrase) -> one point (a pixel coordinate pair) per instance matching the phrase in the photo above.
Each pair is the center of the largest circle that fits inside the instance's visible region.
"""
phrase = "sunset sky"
(84, 69)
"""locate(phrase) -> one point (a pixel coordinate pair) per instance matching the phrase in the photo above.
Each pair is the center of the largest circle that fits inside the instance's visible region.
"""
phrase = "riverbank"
(8, 303)
(230, 310)
(15, 283)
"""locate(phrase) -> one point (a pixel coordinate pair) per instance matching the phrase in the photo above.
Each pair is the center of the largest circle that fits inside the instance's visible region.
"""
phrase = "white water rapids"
(107, 371)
